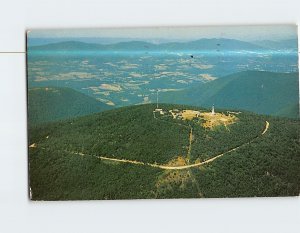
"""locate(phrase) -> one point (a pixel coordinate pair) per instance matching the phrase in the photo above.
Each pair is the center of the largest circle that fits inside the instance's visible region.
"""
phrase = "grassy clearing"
(217, 119)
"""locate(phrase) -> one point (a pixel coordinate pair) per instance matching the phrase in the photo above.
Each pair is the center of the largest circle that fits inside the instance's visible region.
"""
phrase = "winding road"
(168, 167)
(165, 167)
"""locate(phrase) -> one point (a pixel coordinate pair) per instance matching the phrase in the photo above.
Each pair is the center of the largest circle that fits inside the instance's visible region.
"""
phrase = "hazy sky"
(246, 33)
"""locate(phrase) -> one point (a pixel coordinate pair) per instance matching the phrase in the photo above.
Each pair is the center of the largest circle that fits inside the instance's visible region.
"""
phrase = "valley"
(131, 73)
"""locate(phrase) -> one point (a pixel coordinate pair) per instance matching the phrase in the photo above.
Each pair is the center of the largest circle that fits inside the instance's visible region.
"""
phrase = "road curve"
(165, 167)
(266, 128)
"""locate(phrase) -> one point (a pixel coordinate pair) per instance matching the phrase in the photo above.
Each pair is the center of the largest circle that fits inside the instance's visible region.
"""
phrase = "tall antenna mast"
(157, 99)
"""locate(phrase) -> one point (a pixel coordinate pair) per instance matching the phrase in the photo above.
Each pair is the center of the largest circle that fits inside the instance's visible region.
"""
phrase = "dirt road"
(165, 167)
(188, 155)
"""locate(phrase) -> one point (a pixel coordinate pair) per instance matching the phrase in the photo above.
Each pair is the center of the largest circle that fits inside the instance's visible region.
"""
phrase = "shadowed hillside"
(56, 103)
(258, 91)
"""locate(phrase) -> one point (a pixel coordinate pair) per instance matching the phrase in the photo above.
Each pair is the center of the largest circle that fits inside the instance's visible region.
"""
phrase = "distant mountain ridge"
(258, 91)
(201, 44)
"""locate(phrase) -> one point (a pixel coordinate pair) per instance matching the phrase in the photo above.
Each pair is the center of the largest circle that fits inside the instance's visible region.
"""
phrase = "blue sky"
(162, 34)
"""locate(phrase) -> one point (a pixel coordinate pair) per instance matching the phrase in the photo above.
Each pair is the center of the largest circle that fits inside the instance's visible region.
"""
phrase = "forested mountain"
(260, 160)
(201, 44)
(56, 103)
(258, 91)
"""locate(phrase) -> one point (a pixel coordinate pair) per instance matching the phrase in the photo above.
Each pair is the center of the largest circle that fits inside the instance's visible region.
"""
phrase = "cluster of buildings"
(182, 114)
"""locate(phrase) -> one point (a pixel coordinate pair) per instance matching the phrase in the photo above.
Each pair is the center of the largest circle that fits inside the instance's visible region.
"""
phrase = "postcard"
(163, 112)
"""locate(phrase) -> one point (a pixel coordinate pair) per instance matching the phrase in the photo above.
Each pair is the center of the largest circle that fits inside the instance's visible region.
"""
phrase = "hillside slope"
(66, 158)
(258, 91)
(57, 103)
(290, 44)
